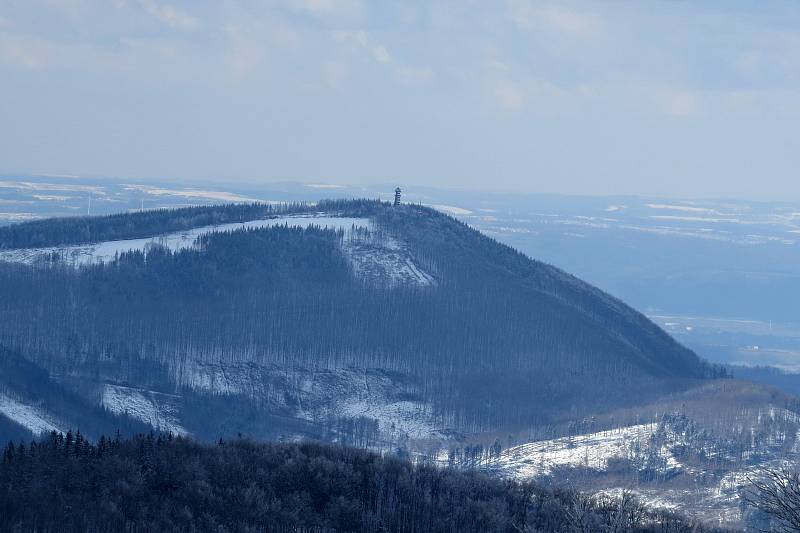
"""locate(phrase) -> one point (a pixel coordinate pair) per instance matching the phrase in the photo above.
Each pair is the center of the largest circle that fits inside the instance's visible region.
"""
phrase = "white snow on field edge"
(223, 196)
(451, 209)
(28, 416)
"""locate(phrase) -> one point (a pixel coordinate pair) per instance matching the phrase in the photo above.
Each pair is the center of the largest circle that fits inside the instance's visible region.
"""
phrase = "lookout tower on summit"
(397, 193)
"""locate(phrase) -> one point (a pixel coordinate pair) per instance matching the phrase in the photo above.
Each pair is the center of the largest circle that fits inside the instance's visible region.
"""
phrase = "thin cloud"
(20, 53)
(171, 16)
(325, 8)
(244, 54)
(414, 75)
(509, 95)
(380, 54)
(679, 103)
(532, 16)
(361, 39)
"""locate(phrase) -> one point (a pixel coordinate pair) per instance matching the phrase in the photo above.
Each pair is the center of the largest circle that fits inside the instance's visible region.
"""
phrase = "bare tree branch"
(776, 492)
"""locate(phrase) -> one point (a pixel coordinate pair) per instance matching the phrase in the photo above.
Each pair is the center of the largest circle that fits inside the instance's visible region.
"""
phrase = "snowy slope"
(28, 416)
(319, 395)
(377, 256)
(152, 408)
(592, 451)
(712, 494)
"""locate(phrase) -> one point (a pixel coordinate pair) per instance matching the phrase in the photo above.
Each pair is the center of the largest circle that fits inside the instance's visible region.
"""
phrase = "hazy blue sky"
(689, 98)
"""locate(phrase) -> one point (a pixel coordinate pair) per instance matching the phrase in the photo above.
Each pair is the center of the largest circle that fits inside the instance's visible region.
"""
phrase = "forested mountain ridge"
(294, 328)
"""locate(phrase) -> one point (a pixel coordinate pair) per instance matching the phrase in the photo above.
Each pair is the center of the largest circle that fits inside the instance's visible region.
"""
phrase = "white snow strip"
(44, 187)
(222, 196)
(452, 210)
(323, 186)
(18, 217)
(30, 417)
(694, 219)
(51, 197)
(685, 208)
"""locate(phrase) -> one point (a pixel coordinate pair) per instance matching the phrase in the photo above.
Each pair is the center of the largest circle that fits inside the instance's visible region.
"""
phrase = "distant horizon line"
(323, 185)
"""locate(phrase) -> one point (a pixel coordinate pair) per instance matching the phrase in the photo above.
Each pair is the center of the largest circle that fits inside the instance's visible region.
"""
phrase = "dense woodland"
(500, 340)
(154, 483)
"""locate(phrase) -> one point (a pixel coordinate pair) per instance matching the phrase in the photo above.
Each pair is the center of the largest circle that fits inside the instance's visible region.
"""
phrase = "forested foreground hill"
(349, 320)
(151, 483)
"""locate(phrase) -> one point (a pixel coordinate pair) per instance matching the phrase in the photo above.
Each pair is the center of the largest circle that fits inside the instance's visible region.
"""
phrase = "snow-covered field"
(28, 416)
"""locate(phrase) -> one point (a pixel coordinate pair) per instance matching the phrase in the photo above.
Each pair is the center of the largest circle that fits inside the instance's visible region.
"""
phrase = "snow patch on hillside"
(317, 395)
(591, 451)
(381, 258)
(150, 407)
(28, 416)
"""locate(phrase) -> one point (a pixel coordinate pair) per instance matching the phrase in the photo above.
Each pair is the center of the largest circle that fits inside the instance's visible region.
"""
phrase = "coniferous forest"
(497, 340)
(276, 333)
(158, 483)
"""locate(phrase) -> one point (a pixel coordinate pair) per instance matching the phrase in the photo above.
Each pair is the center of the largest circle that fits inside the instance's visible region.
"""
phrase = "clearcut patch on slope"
(317, 395)
(591, 451)
(150, 407)
(28, 416)
(380, 258)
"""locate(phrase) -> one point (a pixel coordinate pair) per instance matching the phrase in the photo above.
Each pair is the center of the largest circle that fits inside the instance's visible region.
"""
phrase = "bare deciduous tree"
(776, 492)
